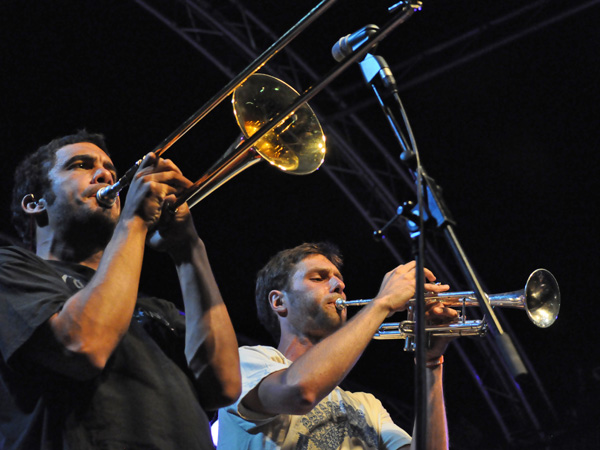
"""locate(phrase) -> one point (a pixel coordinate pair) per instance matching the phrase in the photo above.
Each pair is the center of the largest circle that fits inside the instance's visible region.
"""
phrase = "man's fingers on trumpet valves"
(436, 287)
(437, 313)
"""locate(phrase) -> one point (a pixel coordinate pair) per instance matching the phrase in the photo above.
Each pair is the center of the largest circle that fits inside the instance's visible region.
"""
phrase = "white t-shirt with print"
(341, 421)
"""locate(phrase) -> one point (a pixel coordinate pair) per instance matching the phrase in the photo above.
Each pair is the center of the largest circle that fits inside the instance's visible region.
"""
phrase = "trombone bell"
(297, 144)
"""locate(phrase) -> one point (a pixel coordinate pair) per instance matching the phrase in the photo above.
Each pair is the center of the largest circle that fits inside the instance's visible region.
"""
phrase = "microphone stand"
(430, 211)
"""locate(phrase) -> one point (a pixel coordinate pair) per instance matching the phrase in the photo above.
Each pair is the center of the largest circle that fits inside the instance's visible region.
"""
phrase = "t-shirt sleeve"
(30, 293)
(392, 435)
(256, 363)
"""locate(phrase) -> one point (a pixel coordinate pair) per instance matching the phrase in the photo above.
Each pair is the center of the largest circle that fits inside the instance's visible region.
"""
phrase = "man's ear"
(278, 302)
(32, 206)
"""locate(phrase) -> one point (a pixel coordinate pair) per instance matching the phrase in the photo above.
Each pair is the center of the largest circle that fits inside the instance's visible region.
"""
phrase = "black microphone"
(348, 44)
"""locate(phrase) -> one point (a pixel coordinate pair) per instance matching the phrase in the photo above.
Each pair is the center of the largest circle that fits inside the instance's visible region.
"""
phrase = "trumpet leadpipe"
(340, 303)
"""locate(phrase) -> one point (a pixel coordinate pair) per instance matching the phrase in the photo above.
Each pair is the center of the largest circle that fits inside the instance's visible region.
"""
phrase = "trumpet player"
(84, 363)
(290, 394)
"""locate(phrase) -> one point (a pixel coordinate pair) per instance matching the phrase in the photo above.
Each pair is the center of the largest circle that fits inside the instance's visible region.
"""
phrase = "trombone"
(282, 123)
(540, 298)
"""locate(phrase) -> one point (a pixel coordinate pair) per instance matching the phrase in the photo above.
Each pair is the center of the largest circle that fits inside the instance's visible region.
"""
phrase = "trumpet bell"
(297, 144)
(542, 298)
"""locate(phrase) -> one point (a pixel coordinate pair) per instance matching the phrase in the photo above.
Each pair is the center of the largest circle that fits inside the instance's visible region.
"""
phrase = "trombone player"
(84, 363)
(290, 394)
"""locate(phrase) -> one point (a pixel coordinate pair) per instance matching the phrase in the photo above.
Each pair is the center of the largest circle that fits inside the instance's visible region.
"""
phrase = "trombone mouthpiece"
(340, 304)
(107, 196)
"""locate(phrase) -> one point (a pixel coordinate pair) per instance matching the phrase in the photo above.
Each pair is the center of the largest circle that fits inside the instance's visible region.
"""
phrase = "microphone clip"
(375, 67)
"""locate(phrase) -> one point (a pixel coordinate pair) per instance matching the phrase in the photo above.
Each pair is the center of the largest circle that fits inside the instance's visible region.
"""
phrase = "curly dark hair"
(276, 274)
(31, 177)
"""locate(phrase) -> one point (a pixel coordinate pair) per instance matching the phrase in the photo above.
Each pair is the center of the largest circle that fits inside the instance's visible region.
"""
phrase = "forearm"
(318, 371)
(211, 345)
(437, 426)
(93, 321)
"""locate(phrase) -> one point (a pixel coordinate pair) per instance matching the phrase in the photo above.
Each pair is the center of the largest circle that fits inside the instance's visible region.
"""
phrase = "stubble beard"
(84, 232)
(318, 321)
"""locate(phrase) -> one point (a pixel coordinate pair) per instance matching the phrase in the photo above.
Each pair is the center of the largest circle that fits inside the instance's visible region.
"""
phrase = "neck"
(50, 248)
(293, 346)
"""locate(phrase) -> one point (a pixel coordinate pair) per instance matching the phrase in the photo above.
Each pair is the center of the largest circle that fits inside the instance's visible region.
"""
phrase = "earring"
(29, 202)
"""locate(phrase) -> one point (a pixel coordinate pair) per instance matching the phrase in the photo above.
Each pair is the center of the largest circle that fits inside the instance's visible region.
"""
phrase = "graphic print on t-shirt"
(329, 423)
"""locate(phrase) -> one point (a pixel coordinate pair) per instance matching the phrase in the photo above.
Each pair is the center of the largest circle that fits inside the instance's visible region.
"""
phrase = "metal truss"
(228, 32)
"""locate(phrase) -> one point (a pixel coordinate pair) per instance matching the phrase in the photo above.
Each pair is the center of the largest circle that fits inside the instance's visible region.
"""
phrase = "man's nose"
(102, 175)
(337, 285)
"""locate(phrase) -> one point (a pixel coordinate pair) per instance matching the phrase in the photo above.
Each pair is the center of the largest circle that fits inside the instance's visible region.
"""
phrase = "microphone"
(348, 44)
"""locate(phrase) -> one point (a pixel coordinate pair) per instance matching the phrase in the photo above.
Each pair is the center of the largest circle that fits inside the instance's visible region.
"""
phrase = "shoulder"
(13, 253)
(261, 352)
(262, 358)
(15, 260)
(256, 362)
(19, 266)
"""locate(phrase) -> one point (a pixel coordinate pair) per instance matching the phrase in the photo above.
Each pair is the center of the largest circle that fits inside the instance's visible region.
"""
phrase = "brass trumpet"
(540, 299)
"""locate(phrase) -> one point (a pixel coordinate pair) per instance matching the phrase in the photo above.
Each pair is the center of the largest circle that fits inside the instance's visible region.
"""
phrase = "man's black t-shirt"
(143, 399)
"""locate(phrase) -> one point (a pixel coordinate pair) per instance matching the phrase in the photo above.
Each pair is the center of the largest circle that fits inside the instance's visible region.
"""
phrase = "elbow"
(305, 398)
(217, 392)
(74, 363)
(229, 395)
(230, 391)
(86, 354)
(232, 386)
(96, 361)
(292, 395)
(88, 361)
(85, 359)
